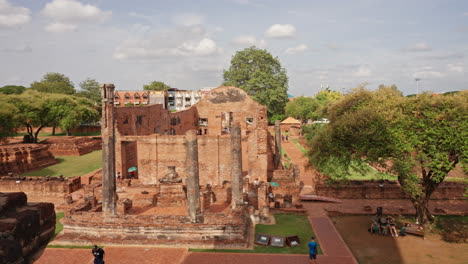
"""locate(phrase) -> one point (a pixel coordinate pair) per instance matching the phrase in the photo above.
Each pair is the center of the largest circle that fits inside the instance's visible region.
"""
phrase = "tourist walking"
(98, 254)
(312, 250)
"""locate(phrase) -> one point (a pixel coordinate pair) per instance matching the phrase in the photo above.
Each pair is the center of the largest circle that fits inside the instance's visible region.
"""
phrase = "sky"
(187, 44)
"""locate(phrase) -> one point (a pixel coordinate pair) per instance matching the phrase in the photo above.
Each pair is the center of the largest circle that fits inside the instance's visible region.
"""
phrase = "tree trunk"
(36, 135)
(423, 216)
(53, 130)
(68, 132)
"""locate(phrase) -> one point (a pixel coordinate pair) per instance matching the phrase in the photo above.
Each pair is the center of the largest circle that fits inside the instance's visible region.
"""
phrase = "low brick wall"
(386, 190)
(40, 186)
(218, 230)
(73, 146)
(20, 158)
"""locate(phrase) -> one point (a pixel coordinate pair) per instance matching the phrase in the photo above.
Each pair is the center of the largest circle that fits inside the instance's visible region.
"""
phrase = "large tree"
(302, 108)
(53, 82)
(156, 86)
(90, 89)
(260, 74)
(418, 139)
(12, 89)
(37, 110)
(8, 114)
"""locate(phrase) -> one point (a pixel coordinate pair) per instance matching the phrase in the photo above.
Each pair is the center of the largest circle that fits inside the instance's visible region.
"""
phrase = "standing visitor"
(312, 250)
(98, 254)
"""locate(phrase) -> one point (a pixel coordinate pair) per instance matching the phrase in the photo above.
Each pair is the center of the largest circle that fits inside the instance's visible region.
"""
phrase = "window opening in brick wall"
(249, 120)
(203, 122)
(226, 122)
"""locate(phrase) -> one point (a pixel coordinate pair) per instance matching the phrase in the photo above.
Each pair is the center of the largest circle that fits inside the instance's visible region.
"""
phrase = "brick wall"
(72, 146)
(19, 158)
(40, 186)
(372, 190)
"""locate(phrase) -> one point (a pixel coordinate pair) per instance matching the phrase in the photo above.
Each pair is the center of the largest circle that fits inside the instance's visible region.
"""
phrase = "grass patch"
(71, 166)
(58, 225)
(453, 228)
(73, 246)
(286, 225)
(295, 141)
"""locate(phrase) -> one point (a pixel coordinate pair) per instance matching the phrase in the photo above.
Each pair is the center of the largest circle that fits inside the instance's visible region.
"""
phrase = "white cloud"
(418, 47)
(458, 68)
(281, 31)
(428, 73)
(67, 14)
(362, 71)
(296, 50)
(178, 42)
(12, 16)
(60, 27)
(245, 40)
(19, 49)
(249, 40)
(188, 20)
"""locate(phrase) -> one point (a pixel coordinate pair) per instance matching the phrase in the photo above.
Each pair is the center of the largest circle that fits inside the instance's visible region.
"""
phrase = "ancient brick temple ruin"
(25, 228)
(197, 171)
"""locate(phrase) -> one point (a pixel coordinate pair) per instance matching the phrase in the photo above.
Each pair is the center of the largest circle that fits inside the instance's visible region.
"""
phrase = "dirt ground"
(370, 249)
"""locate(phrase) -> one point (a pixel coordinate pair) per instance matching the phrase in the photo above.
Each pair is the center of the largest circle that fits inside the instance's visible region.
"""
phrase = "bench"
(414, 229)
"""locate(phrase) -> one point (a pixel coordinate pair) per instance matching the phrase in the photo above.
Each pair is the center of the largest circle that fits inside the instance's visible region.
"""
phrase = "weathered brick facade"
(151, 138)
(19, 158)
(72, 146)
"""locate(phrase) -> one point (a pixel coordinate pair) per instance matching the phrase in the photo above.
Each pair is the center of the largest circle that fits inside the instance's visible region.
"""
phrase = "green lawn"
(71, 166)
(58, 225)
(286, 225)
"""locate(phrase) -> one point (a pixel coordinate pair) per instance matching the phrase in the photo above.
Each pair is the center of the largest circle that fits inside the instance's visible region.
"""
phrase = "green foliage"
(260, 74)
(419, 139)
(8, 115)
(58, 224)
(54, 83)
(90, 89)
(12, 89)
(38, 110)
(156, 86)
(302, 108)
(275, 117)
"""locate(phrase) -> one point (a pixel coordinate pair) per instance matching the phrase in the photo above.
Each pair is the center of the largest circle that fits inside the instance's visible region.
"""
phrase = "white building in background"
(172, 99)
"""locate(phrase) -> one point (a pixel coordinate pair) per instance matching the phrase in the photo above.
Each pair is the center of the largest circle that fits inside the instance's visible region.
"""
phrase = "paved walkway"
(308, 175)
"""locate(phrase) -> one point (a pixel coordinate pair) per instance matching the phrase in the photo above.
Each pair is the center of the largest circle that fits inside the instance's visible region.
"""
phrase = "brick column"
(236, 169)
(108, 151)
(193, 181)
(277, 143)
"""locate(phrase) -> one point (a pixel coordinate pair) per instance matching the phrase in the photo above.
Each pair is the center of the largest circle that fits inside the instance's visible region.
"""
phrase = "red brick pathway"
(114, 255)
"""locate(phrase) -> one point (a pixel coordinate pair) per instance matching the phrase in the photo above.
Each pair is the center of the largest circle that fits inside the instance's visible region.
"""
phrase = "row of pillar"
(193, 178)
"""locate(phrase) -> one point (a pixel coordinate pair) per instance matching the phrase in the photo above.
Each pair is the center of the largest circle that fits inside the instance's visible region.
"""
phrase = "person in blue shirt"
(312, 249)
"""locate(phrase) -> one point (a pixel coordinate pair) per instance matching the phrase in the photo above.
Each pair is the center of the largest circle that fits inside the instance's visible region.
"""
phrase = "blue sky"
(187, 44)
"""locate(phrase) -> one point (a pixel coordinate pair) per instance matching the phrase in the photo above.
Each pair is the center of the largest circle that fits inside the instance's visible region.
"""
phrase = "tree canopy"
(35, 110)
(419, 139)
(12, 89)
(260, 74)
(53, 82)
(8, 114)
(156, 86)
(90, 89)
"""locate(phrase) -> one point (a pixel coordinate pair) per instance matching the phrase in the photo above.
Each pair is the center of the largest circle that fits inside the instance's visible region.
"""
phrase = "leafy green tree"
(34, 111)
(302, 108)
(12, 89)
(75, 112)
(156, 86)
(90, 89)
(260, 74)
(418, 139)
(8, 113)
(54, 83)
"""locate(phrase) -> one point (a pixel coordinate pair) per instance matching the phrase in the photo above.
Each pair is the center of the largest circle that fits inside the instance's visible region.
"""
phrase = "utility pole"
(417, 84)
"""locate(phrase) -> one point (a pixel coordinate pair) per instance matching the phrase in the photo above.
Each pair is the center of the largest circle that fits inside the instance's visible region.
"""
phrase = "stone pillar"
(236, 169)
(277, 143)
(193, 181)
(109, 197)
